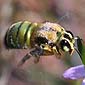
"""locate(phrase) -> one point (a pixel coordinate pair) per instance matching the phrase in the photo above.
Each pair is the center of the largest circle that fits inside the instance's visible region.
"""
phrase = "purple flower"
(76, 72)
(83, 83)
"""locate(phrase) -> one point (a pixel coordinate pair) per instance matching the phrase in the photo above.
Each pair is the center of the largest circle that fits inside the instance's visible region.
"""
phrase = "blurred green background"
(68, 13)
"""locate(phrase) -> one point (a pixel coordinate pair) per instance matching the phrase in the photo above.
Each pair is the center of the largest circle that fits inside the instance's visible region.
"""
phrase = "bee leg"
(37, 59)
(37, 53)
(26, 57)
(56, 52)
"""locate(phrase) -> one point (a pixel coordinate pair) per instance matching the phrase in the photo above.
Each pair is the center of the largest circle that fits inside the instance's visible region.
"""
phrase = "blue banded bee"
(43, 38)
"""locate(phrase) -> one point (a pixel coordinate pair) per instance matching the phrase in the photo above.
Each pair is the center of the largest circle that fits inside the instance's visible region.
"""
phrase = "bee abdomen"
(19, 35)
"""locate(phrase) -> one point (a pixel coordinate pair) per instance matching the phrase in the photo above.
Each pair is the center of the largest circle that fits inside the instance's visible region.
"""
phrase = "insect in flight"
(43, 38)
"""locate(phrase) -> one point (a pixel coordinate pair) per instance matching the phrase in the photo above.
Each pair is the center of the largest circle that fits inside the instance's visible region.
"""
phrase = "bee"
(42, 38)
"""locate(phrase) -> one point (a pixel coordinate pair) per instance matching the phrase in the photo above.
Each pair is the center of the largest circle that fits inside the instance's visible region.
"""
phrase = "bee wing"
(61, 18)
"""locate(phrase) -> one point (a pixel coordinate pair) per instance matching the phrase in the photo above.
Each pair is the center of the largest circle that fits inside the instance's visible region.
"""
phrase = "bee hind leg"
(37, 52)
(26, 57)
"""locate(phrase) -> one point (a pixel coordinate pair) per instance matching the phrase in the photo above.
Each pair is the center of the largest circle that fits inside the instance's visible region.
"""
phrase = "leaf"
(81, 49)
(83, 54)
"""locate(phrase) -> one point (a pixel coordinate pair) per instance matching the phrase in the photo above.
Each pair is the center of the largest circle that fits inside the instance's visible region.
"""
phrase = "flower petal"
(75, 72)
(83, 83)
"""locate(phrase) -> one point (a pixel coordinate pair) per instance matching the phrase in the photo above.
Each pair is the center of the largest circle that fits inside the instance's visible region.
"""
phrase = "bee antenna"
(77, 37)
(78, 52)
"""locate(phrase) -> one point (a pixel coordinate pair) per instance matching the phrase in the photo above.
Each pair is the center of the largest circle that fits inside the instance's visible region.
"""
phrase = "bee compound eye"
(65, 46)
